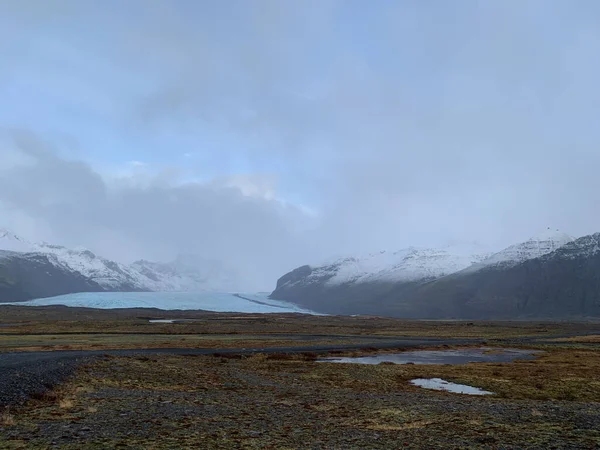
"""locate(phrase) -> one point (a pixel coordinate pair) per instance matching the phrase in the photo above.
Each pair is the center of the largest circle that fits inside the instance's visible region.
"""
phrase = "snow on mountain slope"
(539, 245)
(584, 247)
(13, 243)
(106, 273)
(189, 273)
(186, 273)
(408, 264)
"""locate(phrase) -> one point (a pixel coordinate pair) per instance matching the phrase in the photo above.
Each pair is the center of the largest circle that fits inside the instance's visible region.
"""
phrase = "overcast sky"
(269, 134)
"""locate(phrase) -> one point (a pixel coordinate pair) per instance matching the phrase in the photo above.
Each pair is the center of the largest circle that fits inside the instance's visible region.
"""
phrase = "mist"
(271, 134)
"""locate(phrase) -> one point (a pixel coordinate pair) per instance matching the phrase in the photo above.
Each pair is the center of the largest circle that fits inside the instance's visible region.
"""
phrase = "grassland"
(290, 401)
(57, 319)
(283, 401)
(101, 341)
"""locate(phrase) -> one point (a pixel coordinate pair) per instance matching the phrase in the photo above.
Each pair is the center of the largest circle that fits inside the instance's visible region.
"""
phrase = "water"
(438, 384)
(208, 301)
(462, 356)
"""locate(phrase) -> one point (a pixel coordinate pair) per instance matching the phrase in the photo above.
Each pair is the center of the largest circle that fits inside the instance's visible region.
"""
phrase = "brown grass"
(263, 401)
(558, 374)
(56, 319)
(591, 339)
(6, 418)
(66, 403)
(142, 341)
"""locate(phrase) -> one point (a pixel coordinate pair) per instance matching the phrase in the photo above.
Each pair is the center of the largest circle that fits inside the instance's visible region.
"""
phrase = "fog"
(270, 134)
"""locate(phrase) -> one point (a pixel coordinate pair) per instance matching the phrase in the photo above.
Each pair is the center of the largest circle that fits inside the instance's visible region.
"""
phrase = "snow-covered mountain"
(404, 265)
(186, 273)
(189, 273)
(534, 247)
(584, 247)
(389, 281)
(108, 274)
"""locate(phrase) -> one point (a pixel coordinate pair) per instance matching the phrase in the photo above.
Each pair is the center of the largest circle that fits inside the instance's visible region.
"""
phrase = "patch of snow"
(161, 321)
(439, 384)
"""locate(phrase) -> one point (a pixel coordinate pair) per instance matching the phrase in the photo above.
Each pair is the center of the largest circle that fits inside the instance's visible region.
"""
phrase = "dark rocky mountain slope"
(564, 283)
(24, 276)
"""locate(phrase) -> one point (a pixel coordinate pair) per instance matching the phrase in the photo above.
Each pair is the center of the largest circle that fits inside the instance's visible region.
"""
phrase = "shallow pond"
(438, 384)
(461, 356)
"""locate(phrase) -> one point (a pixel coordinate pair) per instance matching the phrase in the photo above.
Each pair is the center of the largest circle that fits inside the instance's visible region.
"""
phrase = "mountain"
(539, 245)
(347, 285)
(550, 275)
(561, 284)
(24, 276)
(189, 273)
(38, 269)
(108, 274)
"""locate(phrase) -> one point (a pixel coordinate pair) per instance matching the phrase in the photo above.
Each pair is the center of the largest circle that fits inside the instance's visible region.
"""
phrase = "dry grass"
(57, 319)
(66, 403)
(591, 339)
(6, 418)
(290, 401)
(122, 341)
(557, 374)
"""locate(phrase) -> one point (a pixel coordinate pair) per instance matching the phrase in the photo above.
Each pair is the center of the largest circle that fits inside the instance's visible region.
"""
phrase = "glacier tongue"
(207, 301)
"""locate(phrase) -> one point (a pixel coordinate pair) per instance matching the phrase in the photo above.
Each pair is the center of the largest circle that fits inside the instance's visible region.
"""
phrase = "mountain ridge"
(101, 274)
(476, 291)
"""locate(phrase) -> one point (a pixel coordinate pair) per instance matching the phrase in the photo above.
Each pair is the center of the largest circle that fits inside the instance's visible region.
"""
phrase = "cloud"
(154, 219)
(277, 132)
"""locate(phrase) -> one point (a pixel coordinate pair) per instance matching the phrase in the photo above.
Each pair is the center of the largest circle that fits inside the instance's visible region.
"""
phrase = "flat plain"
(253, 381)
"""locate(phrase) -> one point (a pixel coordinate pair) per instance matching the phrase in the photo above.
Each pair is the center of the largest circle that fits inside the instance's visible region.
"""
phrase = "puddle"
(161, 321)
(462, 356)
(438, 384)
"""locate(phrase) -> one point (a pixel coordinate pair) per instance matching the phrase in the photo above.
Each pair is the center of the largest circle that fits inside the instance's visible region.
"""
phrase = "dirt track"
(26, 373)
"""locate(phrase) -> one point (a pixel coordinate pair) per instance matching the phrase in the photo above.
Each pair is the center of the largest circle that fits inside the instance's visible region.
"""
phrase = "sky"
(272, 133)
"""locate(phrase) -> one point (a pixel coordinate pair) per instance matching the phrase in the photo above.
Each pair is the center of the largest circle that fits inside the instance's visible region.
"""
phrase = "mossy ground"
(59, 319)
(50, 342)
(290, 401)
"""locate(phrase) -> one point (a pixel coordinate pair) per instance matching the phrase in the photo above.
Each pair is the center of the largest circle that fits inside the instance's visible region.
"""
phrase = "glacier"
(208, 301)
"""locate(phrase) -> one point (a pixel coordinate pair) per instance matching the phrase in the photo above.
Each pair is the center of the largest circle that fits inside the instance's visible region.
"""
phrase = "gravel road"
(23, 374)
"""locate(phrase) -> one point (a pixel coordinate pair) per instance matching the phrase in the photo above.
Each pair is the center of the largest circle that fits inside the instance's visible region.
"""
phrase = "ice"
(442, 385)
(208, 301)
